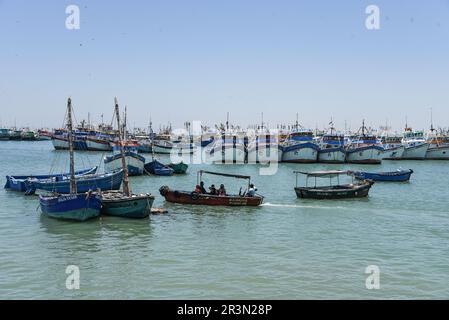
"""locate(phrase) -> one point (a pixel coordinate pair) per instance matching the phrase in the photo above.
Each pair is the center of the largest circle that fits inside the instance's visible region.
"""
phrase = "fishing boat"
(124, 203)
(72, 206)
(228, 149)
(197, 198)
(43, 135)
(265, 148)
(415, 145)
(60, 140)
(84, 183)
(157, 168)
(99, 142)
(331, 147)
(336, 191)
(179, 167)
(18, 182)
(438, 144)
(393, 147)
(364, 148)
(300, 146)
(134, 160)
(4, 134)
(15, 134)
(396, 176)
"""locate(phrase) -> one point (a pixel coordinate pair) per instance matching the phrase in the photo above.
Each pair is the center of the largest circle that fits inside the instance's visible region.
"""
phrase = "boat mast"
(126, 187)
(70, 140)
(432, 129)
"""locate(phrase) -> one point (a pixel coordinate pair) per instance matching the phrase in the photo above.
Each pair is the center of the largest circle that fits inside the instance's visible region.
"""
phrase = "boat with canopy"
(331, 191)
(198, 198)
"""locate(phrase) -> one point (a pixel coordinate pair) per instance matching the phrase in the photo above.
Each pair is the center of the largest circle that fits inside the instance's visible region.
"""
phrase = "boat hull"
(179, 168)
(264, 154)
(77, 207)
(438, 153)
(365, 155)
(416, 152)
(395, 153)
(136, 207)
(394, 176)
(300, 153)
(134, 162)
(335, 192)
(332, 155)
(227, 155)
(98, 145)
(111, 181)
(18, 183)
(195, 198)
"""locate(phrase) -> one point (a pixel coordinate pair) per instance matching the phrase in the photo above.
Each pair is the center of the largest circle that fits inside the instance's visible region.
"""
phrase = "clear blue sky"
(195, 60)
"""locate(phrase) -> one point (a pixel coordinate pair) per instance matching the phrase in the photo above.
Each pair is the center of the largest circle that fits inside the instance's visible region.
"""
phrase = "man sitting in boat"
(251, 191)
(222, 190)
(213, 190)
(198, 189)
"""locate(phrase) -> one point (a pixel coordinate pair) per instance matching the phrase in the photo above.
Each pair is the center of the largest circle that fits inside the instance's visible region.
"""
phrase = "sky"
(177, 61)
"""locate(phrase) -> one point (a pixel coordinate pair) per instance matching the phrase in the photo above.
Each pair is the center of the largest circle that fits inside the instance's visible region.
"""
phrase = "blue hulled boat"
(396, 176)
(105, 181)
(73, 206)
(157, 168)
(18, 183)
(79, 207)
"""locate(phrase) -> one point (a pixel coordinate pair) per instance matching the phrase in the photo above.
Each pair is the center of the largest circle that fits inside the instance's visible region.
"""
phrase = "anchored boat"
(18, 182)
(396, 176)
(364, 148)
(331, 191)
(125, 203)
(246, 198)
(72, 206)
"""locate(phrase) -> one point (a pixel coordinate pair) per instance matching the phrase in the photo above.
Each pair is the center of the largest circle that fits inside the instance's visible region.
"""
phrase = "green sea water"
(287, 249)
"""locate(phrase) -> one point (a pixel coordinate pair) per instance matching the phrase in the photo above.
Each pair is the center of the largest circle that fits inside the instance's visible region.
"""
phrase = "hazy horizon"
(177, 61)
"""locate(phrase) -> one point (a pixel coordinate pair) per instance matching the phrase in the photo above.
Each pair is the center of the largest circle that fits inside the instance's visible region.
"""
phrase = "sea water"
(288, 248)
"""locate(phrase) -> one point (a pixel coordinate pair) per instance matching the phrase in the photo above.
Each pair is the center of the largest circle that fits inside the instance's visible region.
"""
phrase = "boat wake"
(268, 204)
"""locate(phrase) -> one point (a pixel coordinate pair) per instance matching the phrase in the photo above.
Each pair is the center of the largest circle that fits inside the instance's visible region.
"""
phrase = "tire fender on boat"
(194, 195)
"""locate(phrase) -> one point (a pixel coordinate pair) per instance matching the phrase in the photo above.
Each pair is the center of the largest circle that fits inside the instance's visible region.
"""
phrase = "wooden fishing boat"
(396, 176)
(179, 168)
(188, 197)
(18, 182)
(338, 191)
(125, 203)
(74, 206)
(157, 168)
(104, 181)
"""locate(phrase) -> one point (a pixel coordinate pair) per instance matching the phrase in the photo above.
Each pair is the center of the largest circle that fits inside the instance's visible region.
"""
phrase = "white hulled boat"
(364, 148)
(393, 147)
(331, 146)
(415, 145)
(300, 146)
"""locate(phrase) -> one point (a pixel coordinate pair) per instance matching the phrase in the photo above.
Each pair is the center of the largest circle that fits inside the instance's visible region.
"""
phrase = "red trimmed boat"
(193, 197)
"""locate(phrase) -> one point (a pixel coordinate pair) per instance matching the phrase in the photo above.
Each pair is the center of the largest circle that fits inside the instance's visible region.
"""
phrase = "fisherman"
(222, 190)
(202, 189)
(198, 189)
(251, 191)
(213, 190)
